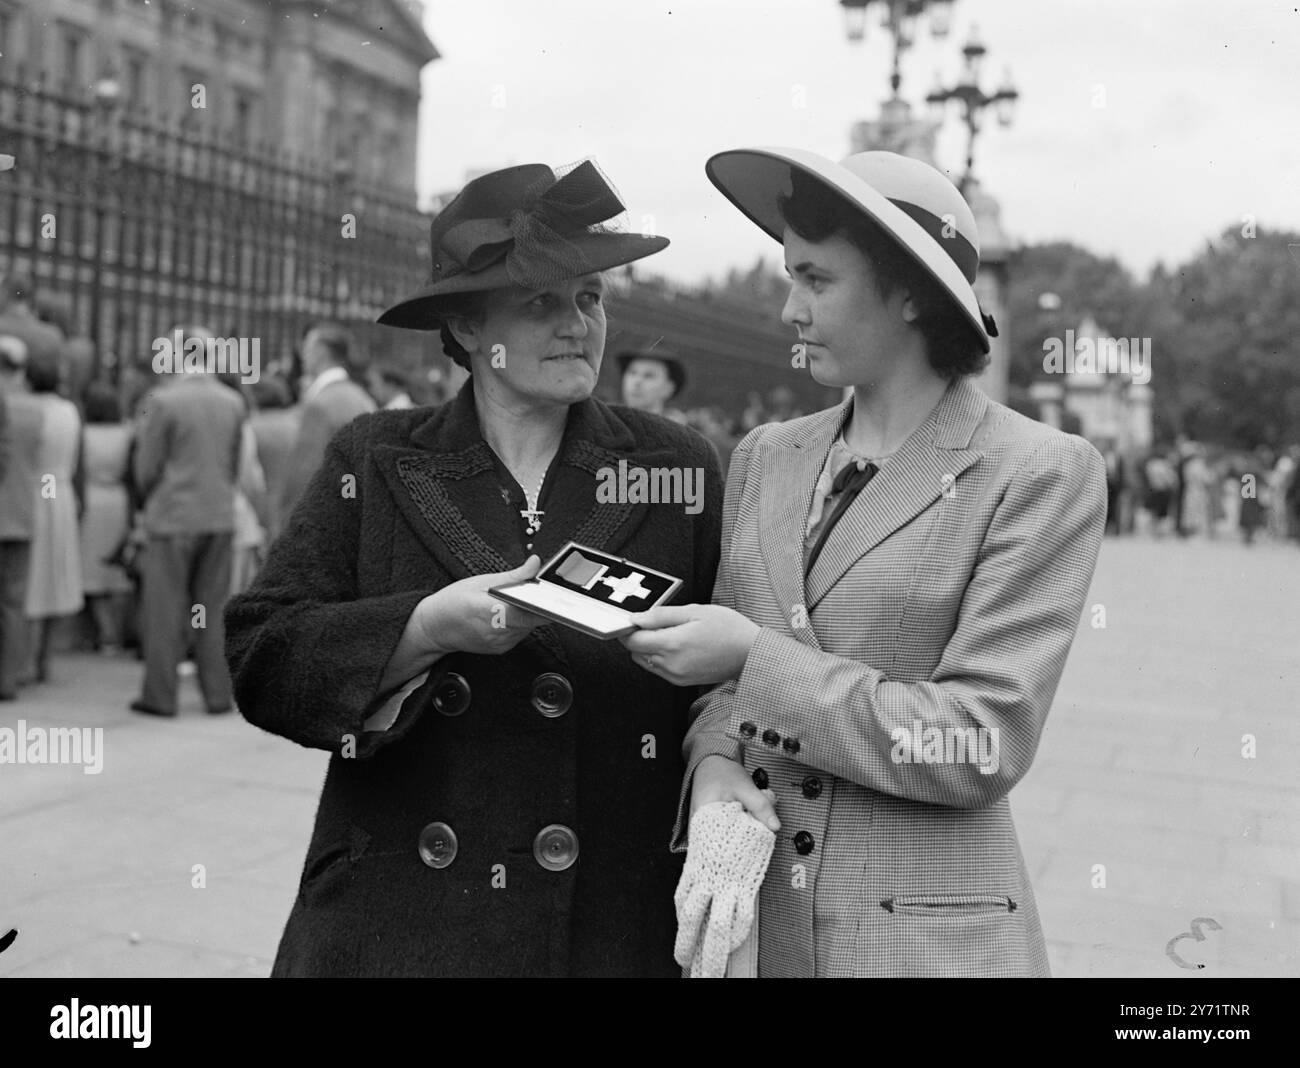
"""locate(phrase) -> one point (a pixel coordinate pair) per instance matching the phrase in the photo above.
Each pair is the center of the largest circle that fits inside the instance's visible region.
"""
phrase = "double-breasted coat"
(895, 695)
(515, 818)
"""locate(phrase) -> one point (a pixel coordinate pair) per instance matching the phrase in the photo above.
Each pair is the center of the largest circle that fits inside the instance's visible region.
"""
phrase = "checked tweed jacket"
(949, 594)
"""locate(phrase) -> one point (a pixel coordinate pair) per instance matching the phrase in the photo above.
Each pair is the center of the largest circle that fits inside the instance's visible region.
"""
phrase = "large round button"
(555, 847)
(803, 843)
(791, 745)
(760, 778)
(812, 787)
(770, 737)
(437, 845)
(748, 730)
(552, 694)
(451, 695)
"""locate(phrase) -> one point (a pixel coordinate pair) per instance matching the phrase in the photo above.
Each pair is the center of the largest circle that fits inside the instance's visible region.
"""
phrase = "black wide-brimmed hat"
(522, 226)
(676, 371)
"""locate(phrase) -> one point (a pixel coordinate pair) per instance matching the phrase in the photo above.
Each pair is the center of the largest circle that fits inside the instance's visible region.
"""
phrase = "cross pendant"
(534, 518)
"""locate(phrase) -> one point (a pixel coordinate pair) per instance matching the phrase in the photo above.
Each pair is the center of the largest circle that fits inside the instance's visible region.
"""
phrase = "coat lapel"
(444, 483)
(789, 476)
(925, 467)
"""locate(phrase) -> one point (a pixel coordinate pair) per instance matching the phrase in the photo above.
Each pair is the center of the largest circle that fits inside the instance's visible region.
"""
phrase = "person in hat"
(502, 789)
(901, 580)
(649, 379)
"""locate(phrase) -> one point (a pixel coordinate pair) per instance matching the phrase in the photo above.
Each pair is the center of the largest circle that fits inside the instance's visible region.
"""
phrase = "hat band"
(959, 250)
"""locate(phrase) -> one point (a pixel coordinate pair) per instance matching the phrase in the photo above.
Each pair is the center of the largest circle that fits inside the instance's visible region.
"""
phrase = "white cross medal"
(590, 590)
(533, 516)
(622, 589)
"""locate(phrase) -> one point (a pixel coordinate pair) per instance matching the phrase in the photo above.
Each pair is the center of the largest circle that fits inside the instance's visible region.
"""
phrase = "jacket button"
(437, 845)
(748, 729)
(791, 745)
(760, 778)
(770, 737)
(552, 694)
(451, 695)
(803, 843)
(555, 847)
(812, 787)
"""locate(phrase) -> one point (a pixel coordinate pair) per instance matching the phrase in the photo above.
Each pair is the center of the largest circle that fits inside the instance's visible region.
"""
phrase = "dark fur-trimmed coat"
(309, 642)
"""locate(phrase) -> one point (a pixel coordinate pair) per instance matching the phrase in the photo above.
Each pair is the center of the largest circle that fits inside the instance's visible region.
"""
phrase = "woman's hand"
(718, 778)
(692, 645)
(464, 618)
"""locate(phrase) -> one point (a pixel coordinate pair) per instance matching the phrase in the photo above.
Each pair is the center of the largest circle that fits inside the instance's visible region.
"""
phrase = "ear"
(465, 331)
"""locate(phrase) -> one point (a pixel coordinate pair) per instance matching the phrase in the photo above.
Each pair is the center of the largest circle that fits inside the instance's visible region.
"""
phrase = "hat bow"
(532, 239)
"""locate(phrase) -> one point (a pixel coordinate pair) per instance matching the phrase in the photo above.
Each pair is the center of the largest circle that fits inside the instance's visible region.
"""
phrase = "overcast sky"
(1200, 124)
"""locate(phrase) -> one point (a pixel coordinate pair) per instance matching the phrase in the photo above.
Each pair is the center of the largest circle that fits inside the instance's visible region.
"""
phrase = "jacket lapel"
(925, 467)
(445, 485)
(789, 476)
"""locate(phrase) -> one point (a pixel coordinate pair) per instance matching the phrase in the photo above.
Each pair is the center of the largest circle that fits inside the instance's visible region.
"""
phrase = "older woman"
(900, 582)
(502, 790)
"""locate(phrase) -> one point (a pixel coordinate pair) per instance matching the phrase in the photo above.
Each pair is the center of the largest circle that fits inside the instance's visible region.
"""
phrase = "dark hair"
(816, 213)
(341, 344)
(101, 403)
(44, 372)
(459, 306)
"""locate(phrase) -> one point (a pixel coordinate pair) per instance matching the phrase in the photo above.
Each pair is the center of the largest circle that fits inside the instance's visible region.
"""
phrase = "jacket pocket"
(329, 869)
(949, 905)
(946, 935)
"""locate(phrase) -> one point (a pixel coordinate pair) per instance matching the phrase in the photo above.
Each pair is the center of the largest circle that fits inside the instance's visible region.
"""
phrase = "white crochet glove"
(726, 860)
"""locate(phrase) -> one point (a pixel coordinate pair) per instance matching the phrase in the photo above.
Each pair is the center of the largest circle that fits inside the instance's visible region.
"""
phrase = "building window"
(245, 131)
(74, 59)
(191, 118)
(137, 86)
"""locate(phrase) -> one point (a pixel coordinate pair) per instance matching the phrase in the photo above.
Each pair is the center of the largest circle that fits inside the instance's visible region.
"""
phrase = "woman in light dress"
(54, 582)
(106, 446)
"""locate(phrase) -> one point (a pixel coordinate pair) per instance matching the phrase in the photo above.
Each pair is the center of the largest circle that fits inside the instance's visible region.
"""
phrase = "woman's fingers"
(645, 643)
(672, 615)
(761, 804)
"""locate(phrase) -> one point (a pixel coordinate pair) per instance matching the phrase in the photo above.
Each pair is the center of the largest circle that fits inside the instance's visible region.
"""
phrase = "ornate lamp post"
(900, 21)
(974, 100)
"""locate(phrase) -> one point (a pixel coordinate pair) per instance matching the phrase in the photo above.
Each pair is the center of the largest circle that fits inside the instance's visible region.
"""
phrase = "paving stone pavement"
(1139, 816)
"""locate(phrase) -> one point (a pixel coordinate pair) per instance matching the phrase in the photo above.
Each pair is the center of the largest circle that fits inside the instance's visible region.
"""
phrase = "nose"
(795, 311)
(573, 323)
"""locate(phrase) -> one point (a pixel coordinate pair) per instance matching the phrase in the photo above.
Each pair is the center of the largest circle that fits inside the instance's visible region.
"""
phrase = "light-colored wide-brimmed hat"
(911, 201)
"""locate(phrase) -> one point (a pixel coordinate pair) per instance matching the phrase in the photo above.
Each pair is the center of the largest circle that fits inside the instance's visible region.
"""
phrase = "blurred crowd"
(1191, 489)
(126, 506)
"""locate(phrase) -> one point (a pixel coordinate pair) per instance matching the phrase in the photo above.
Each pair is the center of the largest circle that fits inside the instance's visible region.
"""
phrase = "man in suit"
(331, 400)
(20, 439)
(186, 465)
